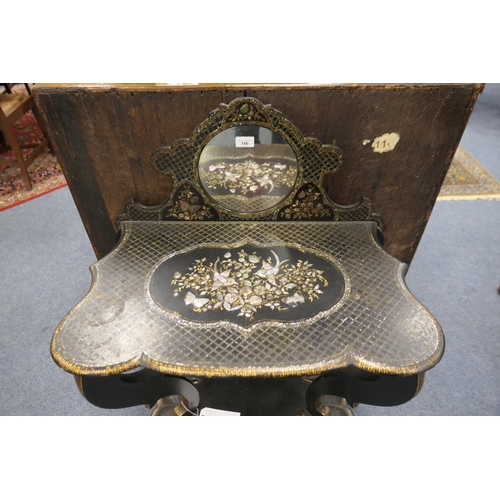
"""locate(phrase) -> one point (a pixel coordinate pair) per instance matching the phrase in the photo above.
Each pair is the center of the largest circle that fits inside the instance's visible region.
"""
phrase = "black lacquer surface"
(247, 284)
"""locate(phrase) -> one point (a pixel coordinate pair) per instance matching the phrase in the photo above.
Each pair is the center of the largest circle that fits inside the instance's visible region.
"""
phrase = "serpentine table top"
(247, 299)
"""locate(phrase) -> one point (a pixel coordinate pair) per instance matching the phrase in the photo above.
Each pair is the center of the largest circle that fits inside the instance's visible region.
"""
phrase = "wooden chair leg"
(42, 128)
(9, 134)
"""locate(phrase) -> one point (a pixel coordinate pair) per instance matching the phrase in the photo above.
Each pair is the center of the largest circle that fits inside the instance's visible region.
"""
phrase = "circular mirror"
(248, 169)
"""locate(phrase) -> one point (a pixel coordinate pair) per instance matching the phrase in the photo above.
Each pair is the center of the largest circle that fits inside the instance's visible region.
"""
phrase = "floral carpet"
(45, 172)
(467, 179)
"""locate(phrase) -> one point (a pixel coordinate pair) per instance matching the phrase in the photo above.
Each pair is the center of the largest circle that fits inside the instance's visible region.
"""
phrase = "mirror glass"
(248, 169)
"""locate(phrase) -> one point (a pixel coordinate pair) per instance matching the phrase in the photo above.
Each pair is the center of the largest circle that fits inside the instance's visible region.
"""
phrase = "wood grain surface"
(104, 136)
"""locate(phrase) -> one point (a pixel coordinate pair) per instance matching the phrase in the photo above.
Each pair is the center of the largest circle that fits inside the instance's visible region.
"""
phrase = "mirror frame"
(224, 200)
(188, 199)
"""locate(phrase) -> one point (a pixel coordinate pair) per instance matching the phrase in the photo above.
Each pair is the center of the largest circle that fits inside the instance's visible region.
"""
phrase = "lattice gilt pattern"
(377, 325)
(181, 162)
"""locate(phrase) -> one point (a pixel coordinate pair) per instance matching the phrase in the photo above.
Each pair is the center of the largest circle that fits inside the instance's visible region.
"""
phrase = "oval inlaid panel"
(246, 285)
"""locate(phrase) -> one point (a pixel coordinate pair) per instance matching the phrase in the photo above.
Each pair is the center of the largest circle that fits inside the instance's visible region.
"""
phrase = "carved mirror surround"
(247, 162)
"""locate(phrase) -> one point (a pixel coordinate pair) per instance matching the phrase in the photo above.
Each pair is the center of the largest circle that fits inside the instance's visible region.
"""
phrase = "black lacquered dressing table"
(248, 290)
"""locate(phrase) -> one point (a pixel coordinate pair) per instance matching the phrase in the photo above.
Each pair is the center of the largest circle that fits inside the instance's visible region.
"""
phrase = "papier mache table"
(248, 289)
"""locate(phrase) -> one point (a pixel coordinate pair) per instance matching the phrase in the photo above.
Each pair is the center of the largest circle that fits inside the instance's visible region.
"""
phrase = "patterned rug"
(468, 180)
(45, 172)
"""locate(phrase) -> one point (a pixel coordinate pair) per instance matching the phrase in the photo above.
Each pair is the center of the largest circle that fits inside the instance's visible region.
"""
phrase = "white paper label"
(384, 143)
(244, 142)
(212, 412)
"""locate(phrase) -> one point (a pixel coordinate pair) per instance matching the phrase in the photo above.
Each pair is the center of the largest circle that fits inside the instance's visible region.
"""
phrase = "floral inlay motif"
(242, 283)
(307, 204)
(249, 176)
(188, 205)
(246, 111)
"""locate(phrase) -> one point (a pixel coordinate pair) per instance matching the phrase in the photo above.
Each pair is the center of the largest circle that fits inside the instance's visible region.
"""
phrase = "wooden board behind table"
(104, 135)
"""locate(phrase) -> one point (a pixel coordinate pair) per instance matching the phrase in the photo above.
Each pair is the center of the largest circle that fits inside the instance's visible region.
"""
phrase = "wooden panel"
(71, 150)
(104, 136)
